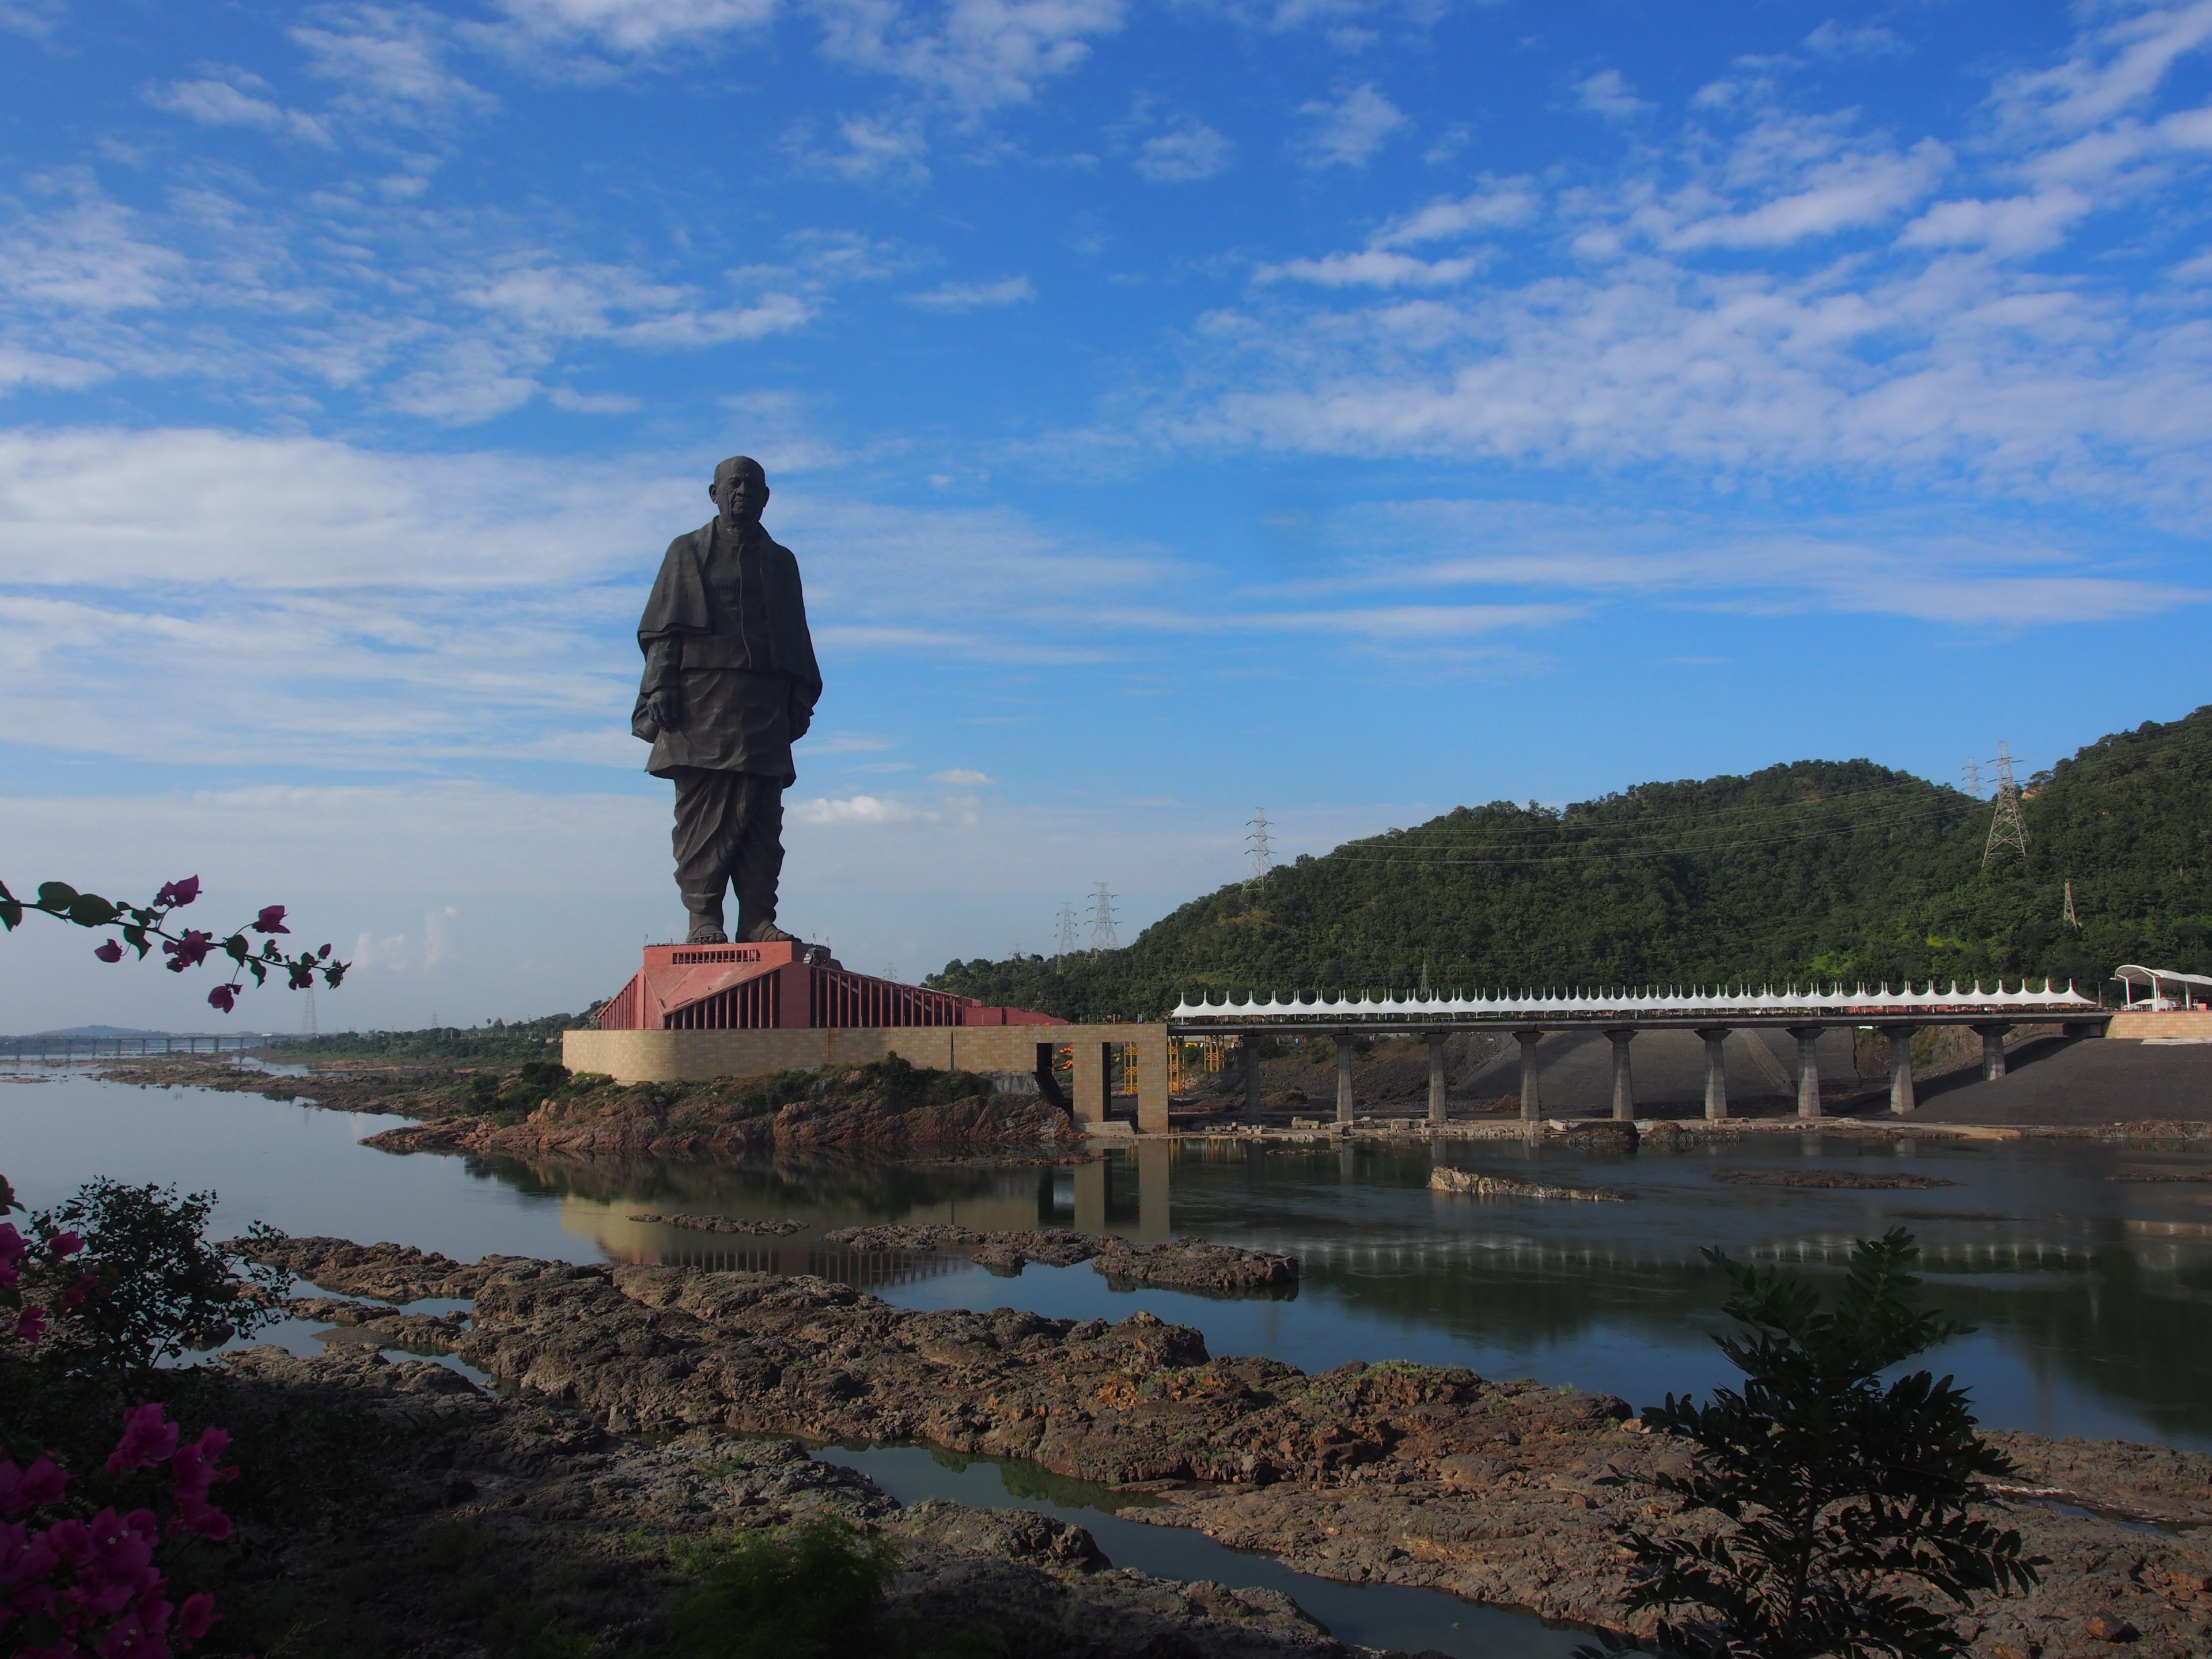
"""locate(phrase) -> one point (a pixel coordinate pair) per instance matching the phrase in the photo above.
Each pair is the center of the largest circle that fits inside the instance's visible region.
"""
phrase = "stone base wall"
(697, 1056)
(2170, 1022)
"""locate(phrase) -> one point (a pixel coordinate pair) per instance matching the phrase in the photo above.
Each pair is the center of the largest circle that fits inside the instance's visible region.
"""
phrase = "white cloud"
(1608, 93)
(957, 297)
(1845, 193)
(1187, 154)
(621, 304)
(1370, 269)
(1349, 131)
(1496, 206)
(864, 151)
(855, 811)
(84, 258)
(638, 26)
(389, 62)
(214, 103)
(1832, 40)
(2108, 69)
(37, 19)
(960, 777)
(2014, 225)
(976, 54)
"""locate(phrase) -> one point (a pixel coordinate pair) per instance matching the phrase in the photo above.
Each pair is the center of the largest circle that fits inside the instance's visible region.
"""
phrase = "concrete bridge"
(1620, 1015)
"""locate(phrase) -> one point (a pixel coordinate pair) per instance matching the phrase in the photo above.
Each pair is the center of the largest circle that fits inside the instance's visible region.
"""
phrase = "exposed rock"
(1445, 1179)
(1599, 1134)
(1192, 1264)
(538, 1498)
(2161, 1174)
(780, 1228)
(1855, 1181)
(1510, 1493)
(1180, 1264)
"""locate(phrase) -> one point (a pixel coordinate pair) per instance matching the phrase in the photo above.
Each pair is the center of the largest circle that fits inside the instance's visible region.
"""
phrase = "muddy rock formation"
(1183, 1264)
(781, 1227)
(1445, 1179)
(523, 1499)
(1511, 1494)
(1854, 1180)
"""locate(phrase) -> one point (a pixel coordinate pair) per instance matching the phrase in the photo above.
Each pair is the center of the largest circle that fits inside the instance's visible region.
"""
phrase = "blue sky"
(1351, 408)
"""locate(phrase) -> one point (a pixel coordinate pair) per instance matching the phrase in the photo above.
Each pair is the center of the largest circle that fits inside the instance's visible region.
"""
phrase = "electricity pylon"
(2007, 830)
(1257, 851)
(1065, 946)
(1102, 937)
(2069, 918)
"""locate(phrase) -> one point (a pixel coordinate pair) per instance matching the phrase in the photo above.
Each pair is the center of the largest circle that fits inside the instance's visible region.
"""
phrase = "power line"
(1260, 855)
(2007, 830)
(1102, 937)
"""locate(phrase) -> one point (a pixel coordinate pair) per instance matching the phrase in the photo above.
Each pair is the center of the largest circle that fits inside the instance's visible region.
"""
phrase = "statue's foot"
(707, 929)
(767, 933)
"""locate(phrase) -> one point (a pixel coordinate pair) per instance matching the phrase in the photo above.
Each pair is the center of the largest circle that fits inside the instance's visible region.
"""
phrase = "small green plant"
(1832, 1486)
(813, 1590)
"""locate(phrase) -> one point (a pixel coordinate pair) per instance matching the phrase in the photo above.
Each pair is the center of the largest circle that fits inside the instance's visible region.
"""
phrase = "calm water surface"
(2090, 1295)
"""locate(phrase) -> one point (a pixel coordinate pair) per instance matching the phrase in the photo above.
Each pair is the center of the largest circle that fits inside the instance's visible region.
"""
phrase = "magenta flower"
(78, 1291)
(110, 951)
(196, 1617)
(223, 997)
(12, 1251)
(31, 1324)
(148, 1437)
(64, 1243)
(178, 892)
(189, 951)
(42, 1483)
(270, 920)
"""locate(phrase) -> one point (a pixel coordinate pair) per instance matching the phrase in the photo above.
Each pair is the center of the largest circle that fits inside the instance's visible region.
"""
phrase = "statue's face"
(741, 494)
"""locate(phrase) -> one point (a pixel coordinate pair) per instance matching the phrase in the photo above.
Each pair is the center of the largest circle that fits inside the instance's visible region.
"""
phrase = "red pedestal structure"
(790, 987)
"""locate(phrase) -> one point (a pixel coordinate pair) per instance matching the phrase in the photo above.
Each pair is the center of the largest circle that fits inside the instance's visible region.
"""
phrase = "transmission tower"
(1064, 939)
(2069, 918)
(1259, 855)
(1102, 937)
(308, 1020)
(1972, 771)
(2007, 830)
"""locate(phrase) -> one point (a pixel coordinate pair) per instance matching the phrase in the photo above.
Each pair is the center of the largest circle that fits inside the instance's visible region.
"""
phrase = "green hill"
(1813, 870)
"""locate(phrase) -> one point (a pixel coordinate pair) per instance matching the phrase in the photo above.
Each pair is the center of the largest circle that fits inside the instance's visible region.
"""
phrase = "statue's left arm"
(795, 647)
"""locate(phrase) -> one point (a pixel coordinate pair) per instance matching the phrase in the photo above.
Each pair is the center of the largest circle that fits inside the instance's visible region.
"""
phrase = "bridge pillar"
(1902, 1102)
(1993, 1054)
(1716, 1071)
(1530, 1102)
(1624, 1080)
(1344, 1077)
(1249, 1049)
(1437, 1113)
(1809, 1069)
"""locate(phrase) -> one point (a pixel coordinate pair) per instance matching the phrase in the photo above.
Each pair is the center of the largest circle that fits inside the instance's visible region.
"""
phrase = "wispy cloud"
(1184, 156)
(974, 296)
(1608, 93)
(1349, 129)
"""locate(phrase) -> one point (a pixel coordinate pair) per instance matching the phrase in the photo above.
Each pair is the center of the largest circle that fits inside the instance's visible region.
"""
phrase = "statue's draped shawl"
(678, 606)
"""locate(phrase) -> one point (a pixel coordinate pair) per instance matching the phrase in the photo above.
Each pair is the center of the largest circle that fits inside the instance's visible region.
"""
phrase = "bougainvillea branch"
(139, 926)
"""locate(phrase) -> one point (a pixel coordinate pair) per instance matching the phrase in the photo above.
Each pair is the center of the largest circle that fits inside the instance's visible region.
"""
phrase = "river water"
(2089, 1295)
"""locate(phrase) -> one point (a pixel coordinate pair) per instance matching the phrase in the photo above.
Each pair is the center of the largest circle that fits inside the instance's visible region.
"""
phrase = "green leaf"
(260, 974)
(237, 948)
(11, 913)
(57, 896)
(334, 972)
(90, 910)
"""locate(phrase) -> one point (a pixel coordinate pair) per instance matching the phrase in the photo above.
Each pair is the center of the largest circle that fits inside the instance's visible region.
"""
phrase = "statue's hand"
(666, 707)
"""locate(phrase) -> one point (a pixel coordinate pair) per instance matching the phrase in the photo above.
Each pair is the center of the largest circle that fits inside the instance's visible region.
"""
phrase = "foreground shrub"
(1832, 1487)
(814, 1590)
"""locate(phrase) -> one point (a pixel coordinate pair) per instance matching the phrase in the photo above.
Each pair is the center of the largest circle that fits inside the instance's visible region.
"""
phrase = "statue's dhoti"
(729, 832)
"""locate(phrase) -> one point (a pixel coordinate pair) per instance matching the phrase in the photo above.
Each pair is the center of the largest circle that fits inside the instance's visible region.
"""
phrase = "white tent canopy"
(2169, 988)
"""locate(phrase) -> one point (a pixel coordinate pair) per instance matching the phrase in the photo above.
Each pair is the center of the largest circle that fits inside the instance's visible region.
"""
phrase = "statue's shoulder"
(691, 541)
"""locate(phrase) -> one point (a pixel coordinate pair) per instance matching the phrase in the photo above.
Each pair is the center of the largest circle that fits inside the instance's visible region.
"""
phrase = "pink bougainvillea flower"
(178, 892)
(64, 1243)
(78, 1291)
(42, 1483)
(31, 1324)
(270, 920)
(196, 1617)
(148, 1437)
(110, 951)
(12, 1249)
(223, 998)
(189, 951)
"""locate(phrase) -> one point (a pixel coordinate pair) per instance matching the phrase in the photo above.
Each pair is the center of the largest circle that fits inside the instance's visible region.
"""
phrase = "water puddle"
(1364, 1615)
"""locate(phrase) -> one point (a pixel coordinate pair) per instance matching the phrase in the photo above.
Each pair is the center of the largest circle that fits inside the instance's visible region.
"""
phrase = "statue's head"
(739, 491)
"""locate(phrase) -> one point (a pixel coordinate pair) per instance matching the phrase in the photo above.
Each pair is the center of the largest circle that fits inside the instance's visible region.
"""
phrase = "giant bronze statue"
(730, 684)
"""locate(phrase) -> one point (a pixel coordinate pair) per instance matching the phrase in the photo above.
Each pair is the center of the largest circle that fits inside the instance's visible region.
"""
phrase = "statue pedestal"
(696, 1011)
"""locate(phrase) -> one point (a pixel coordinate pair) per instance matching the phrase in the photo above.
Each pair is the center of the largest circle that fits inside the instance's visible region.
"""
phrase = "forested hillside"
(1815, 869)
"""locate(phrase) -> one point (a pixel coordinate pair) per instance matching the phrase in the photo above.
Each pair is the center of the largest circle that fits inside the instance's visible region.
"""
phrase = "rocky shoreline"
(1506, 1493)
